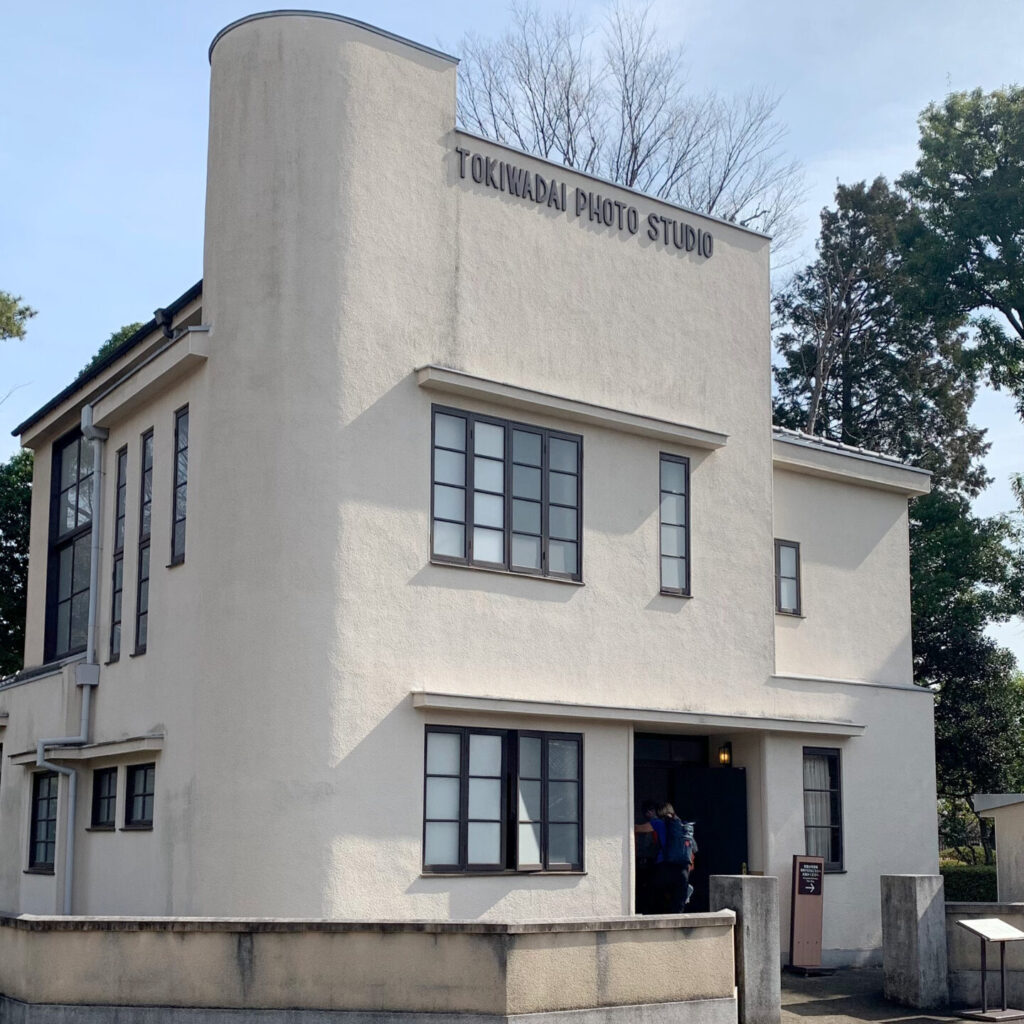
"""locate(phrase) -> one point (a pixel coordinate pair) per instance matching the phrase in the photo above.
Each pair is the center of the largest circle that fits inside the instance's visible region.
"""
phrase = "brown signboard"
(805, 920)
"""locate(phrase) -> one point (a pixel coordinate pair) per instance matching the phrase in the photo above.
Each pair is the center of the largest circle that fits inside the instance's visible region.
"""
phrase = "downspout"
(87, 674)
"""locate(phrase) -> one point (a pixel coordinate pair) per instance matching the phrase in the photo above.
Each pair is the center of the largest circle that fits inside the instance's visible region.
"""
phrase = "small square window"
(138, 805)
(104, 797)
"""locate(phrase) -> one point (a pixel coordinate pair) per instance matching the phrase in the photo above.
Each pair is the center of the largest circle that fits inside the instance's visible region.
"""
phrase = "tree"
(15, 512)
(121, 335)
(13, 314)
(622, 111)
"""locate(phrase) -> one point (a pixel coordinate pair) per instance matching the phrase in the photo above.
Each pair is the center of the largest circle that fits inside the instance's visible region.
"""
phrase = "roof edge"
(799, 437)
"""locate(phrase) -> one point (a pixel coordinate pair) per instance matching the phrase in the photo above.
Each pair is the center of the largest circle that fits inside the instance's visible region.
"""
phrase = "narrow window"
(787, 577)
(104, 797)
(43, 837)
(506, 495)
(145, 529)
(180, 486)
(138, 803)
(67, 620)
(117, 582)
(549, 801)
(823, 808)
(675, 531)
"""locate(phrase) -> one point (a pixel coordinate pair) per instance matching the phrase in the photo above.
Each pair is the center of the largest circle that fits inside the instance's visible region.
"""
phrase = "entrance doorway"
(674, 768)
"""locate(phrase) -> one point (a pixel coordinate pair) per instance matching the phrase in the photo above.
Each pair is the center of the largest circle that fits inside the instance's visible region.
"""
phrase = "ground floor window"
(502, 800)
(43, 838)
(823, 807)
(138, 804)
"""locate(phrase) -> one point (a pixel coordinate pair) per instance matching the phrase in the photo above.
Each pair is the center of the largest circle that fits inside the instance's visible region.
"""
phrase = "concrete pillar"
(914, 940)
(758, 976)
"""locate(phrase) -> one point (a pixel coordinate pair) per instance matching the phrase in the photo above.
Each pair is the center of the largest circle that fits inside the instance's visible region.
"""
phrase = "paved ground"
(845, 997)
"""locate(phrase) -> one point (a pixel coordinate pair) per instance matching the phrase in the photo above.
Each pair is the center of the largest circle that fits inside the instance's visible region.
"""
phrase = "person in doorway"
(650, 843)
(688, 834)
(672, 872)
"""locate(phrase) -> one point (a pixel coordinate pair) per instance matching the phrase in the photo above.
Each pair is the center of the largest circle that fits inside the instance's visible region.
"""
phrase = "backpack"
(678, 845)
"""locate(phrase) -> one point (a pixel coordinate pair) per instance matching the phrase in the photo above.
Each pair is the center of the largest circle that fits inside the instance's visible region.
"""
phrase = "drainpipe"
(87, 674)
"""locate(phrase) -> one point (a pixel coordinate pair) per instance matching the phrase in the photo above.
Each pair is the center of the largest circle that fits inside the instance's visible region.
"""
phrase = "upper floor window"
(117, 581)
(43, 833)
(180, 486)
(139, 796)
(675, 528)
(67, 605)
(823, 806)
(506, 495)
(787, 577)
(145, 531)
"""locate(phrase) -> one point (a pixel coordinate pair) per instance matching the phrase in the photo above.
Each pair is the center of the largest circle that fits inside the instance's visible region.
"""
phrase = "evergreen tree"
(15, 512)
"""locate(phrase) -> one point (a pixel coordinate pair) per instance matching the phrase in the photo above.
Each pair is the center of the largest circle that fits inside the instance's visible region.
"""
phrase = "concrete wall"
(1010, 842)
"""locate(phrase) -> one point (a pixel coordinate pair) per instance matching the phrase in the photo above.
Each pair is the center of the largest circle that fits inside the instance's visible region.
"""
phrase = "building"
(1007, 812)
(438, 526)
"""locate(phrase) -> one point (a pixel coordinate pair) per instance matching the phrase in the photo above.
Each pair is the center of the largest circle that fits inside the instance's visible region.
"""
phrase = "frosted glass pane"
(79, 619)
(488, 510)
(443, 753)
(529, 844)
(563, 455)
(441, 843)
(450, 540)
(489, 440)
(450, 502)
(787, 592)
(673, 540)
(563, 804)
(484, 843)
(673, 509)
(563, 844)
(673, 477)
(449, 467)
(526, 516)
(529, 801)
(488, 545)
(63, 625)
(673, 573)
(484, 755)
(787, 560)
(485, 799)
(525, 482)
(450, 431)
(526, 447)
(563, 759)
(489, 475)
(443, 799)
(529, 757)
(525, 552)
(561, 556)
(562, 522)
(562, 488)
(83, 555)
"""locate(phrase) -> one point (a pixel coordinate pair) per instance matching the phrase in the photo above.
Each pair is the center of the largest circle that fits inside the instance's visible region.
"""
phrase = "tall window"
(117, 582)
(506, 495)
(823, 806)
(43, 834)
(675, 530)
(145, 528)
(104, 797)
(180, 486)
(67, 621)
(502, 800)
(787, 577)
(139, 794)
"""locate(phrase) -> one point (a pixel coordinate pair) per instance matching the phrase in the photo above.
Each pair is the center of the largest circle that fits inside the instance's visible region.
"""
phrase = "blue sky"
(104, 123)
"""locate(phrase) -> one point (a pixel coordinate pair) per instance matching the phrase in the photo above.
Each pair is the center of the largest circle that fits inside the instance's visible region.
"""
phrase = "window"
(675, 530)
(502, 800)
(506, 495)
(787, 577)
(823, 808)
(145, 528)
(138, 801)
(104, 797)
(117, 583)
(67, 619)
(180, 486)
(43, 837)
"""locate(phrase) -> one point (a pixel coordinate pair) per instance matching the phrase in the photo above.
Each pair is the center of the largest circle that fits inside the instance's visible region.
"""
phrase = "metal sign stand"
(805, 918)
(992, 929)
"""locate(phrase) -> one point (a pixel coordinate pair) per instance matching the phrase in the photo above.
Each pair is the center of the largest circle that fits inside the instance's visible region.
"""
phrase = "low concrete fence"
(655, 969)
(964, 952)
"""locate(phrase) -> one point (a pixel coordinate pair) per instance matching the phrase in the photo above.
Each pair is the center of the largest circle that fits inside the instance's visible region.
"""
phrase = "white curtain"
(817, 806)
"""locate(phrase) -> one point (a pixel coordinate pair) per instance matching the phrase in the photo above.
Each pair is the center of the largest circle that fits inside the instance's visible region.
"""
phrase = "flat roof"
(837, 447)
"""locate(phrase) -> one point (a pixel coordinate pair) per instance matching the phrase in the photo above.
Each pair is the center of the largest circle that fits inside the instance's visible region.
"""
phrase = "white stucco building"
(438, 526)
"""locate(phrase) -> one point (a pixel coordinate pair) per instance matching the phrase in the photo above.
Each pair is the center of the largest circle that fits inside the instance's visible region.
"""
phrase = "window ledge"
(38, 871)
(507, 572)
(137, 828)
(498, 874)
(174, 563)
(672, 593)
(790, 615)
(137, 654)
(101, 828)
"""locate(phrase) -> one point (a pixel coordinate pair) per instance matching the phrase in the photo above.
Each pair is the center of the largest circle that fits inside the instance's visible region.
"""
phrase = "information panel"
(805, 919)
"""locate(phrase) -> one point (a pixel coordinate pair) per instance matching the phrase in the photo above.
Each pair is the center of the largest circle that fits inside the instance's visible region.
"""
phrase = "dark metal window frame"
(117, 568)
(546, 435)
(145, 539)
(59, 540)
(683, 461)
(104, 799)
(834, 754)
(779, 545)
(45, 802)
(509, 802)
(179, 484)
(147, 771)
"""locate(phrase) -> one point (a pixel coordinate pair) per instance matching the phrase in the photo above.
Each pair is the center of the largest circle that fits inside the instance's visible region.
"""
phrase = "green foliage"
(969, 883)
(121, 335)
(959, 831)
(13, 314)
(15, 510)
